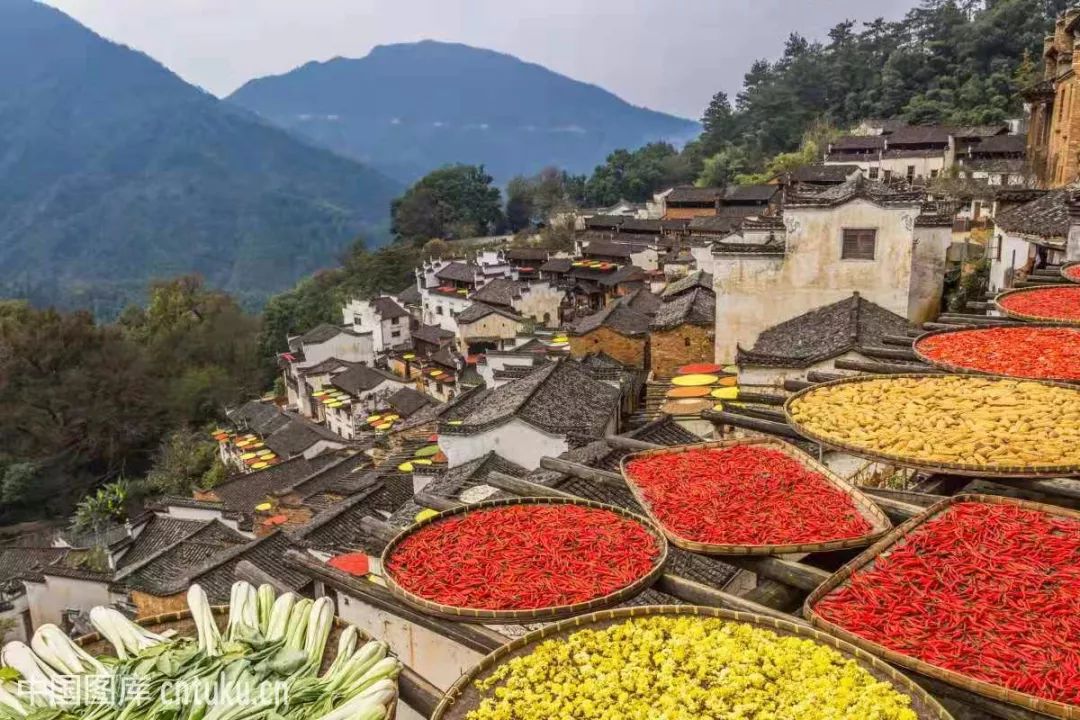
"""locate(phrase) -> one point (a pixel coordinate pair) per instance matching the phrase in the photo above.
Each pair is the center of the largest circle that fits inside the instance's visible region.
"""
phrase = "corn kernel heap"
(686, 668)
(990, 422)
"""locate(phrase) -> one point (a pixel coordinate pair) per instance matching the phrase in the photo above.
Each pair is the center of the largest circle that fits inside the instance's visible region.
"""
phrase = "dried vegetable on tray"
(748, 495)
(986, 588)
(1035, 352)
(514, 555)
(1054, 303)
(964, 423)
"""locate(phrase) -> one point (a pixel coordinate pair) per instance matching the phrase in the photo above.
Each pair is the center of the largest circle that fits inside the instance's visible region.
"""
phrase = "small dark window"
(438, 310)
(888, 175)
(873, 173)
(686, 342)
(997, 248)
(910, 172)
(396, 333)
(934, 173)
(859, 244)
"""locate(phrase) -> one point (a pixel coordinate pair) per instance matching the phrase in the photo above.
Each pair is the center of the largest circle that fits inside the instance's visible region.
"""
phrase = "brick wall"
(685, 213)
(628, 351)
(147, 605)
(680, 346)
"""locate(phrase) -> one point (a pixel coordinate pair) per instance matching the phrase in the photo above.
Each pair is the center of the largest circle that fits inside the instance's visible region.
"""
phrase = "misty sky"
(668, 55)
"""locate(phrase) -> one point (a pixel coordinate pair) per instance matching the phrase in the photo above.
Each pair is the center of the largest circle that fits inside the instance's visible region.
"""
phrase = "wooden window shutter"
(859, 244)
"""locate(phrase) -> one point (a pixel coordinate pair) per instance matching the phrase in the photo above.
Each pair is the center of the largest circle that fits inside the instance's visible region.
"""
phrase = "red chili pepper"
(988, 591)
(1048, 353)
(1051, 303)
(524, 557)
(744, 495)
(1073, 273)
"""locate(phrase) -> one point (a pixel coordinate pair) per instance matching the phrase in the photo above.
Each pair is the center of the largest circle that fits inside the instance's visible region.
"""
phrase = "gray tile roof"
(715, 224)
(614, 316)
(327, 365)
(557, 265)
(362, 379)
(297, 435)
(410, 295)
(1001, 144)
(1045, 217)
(822, 173)
(857, 188)
(479, 310)
(160, 532)
(559, 397)
(691, 194)
(320, 334)
(750, 193)
(605, 248)
(823, 333)
(432, 334)
(858, 142)
(641, 300)
(166, 571)
(698, 278)
(500, 291)
(388, 309)
(458, 271)
(451, 483)
(17, 562)
(696, 307)
(407, 401)
(527, 254)
(265, 553)
(343, 474)
(243, 492)
(338, 529)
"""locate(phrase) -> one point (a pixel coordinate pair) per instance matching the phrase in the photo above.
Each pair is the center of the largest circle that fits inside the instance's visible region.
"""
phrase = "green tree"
(453, 201)
(183, 462)
(520, 204)
(718, 123)
(98, 510)
(722, 168)
(636, 175)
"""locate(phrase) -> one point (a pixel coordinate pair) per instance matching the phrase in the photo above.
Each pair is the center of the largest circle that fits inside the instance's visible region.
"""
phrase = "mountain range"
(115, 171)
(408, 108)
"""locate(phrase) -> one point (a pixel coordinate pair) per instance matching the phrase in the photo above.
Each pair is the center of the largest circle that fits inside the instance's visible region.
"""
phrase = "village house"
(684, 203)
(817, 177)
(367, 389)
(312, 353)
(383, 317)
(1034, 234)
(616, 330)
(538, 300)
(998, 160)
(526, 261)
(483, 327)
(860, 237)
(1053, 140)
(815, 340)
(279, 433)
(16, 565)
(681, 331)
(533, 416)
(442, 373)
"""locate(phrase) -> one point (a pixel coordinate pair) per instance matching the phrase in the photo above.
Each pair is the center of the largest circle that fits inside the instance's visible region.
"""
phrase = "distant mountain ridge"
(409, 108)
(113, 171)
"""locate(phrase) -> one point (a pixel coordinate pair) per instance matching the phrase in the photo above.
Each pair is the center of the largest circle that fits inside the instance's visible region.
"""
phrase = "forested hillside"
(947, 61)
(114, 171)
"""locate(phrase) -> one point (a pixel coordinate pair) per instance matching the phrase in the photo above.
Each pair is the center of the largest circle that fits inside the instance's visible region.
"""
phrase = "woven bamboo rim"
(1069, 266)
(896, 537)
(483, 615)
(163, 621)
(967, 469)
(961, 370)
(879, 522)
(463, 697)
(1034, 318)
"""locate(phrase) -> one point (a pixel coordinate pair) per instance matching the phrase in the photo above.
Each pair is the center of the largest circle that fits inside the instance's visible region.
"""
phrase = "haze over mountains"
(409, 108)
(114, 171)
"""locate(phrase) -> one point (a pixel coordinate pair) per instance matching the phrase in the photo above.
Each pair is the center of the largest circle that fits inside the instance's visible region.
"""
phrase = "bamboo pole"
(697, 593)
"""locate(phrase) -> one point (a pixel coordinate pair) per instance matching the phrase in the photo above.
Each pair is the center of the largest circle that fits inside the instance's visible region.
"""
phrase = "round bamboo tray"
(967, 469)
(1033, 318)
(484, 615)
(183, 625)
(896, 537)
(879, 522)
(1069, 266)
(961, 370)
(463, 697)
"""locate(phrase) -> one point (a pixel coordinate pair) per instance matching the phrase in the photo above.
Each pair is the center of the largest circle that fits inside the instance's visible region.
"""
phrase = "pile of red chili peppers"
(988, 591)
(521, 557)
(1052, 303)
(1073, 273)
(744, 495)
(1049, 353)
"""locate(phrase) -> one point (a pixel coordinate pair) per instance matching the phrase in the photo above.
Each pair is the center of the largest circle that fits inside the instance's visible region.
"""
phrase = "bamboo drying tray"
(1033, 318)
(967, 469)
(882, 547)
(961, 370)
(463, 697)
(486, 615)
(879, 522)
(1067, 267)
(183, 625)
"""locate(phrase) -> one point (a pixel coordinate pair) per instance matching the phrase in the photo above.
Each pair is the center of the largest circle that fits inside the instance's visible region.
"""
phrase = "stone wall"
(678, 346)
(627, 350)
